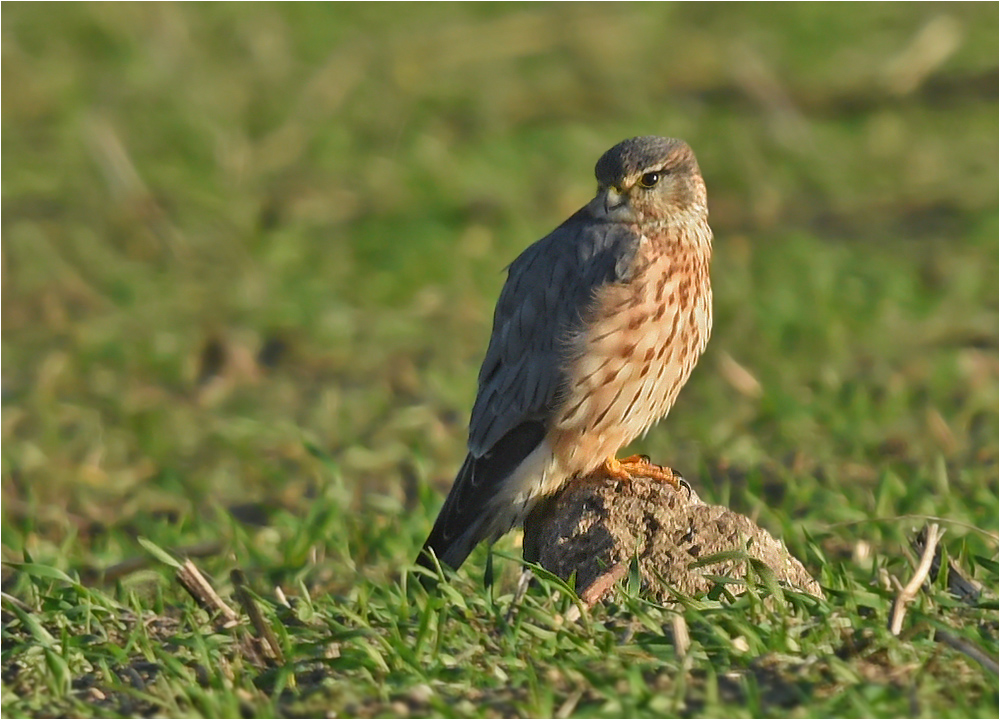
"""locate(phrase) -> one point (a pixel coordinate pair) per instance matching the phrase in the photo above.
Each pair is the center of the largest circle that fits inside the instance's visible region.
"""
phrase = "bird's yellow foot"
(639, 465)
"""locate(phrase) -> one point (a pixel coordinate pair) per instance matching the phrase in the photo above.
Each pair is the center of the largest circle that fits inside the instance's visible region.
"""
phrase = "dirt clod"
(598, 523)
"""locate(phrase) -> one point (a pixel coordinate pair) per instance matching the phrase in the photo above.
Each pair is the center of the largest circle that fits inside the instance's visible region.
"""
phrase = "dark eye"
(649, 179)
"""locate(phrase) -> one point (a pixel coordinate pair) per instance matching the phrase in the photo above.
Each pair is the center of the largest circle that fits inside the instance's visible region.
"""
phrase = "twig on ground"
(566, 709)
(15, 602)
(597, 590)
(523, 582)
(204, 594)
(909, 592)
(964, 646)
(965, 589)
(264, 631)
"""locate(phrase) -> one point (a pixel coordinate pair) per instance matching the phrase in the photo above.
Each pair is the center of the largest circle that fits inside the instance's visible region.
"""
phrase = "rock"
(598, 524)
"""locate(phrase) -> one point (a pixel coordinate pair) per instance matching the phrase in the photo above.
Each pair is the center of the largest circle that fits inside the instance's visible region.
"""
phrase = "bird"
(597, 327)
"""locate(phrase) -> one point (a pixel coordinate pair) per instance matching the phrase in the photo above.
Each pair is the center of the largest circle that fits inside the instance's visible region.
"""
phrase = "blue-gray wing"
(549, 290)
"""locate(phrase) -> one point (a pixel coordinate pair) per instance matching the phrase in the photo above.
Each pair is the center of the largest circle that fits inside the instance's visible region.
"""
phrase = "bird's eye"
(649, 179)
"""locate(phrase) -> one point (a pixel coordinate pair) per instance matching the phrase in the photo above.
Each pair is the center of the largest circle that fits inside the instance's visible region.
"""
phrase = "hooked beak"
(611, 206)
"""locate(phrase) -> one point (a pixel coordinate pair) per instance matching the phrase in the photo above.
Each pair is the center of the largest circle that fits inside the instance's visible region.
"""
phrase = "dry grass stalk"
(909, 592)
(204, 594)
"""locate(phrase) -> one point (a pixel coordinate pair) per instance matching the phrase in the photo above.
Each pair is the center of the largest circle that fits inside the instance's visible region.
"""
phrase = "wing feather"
(544, 303)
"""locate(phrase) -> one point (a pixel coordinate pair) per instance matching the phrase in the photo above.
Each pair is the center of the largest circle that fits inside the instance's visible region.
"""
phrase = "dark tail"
(466, 518)
(453, 537)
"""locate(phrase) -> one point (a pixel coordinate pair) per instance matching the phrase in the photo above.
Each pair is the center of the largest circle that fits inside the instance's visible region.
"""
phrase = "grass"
(250, 257)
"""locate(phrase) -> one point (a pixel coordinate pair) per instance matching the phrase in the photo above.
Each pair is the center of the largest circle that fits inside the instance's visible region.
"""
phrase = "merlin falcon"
(597, 328)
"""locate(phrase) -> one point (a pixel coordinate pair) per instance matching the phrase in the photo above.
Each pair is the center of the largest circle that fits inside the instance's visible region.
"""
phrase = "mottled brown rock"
(597, 524)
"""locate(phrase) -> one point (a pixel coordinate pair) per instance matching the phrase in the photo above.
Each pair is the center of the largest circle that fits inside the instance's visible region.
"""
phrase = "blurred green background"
(235, 232)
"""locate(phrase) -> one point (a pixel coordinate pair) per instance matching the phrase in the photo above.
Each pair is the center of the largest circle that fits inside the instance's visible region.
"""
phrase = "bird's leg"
(639, 465)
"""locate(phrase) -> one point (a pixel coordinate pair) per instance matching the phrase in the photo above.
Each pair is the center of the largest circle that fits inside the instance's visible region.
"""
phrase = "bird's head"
(649, 180)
